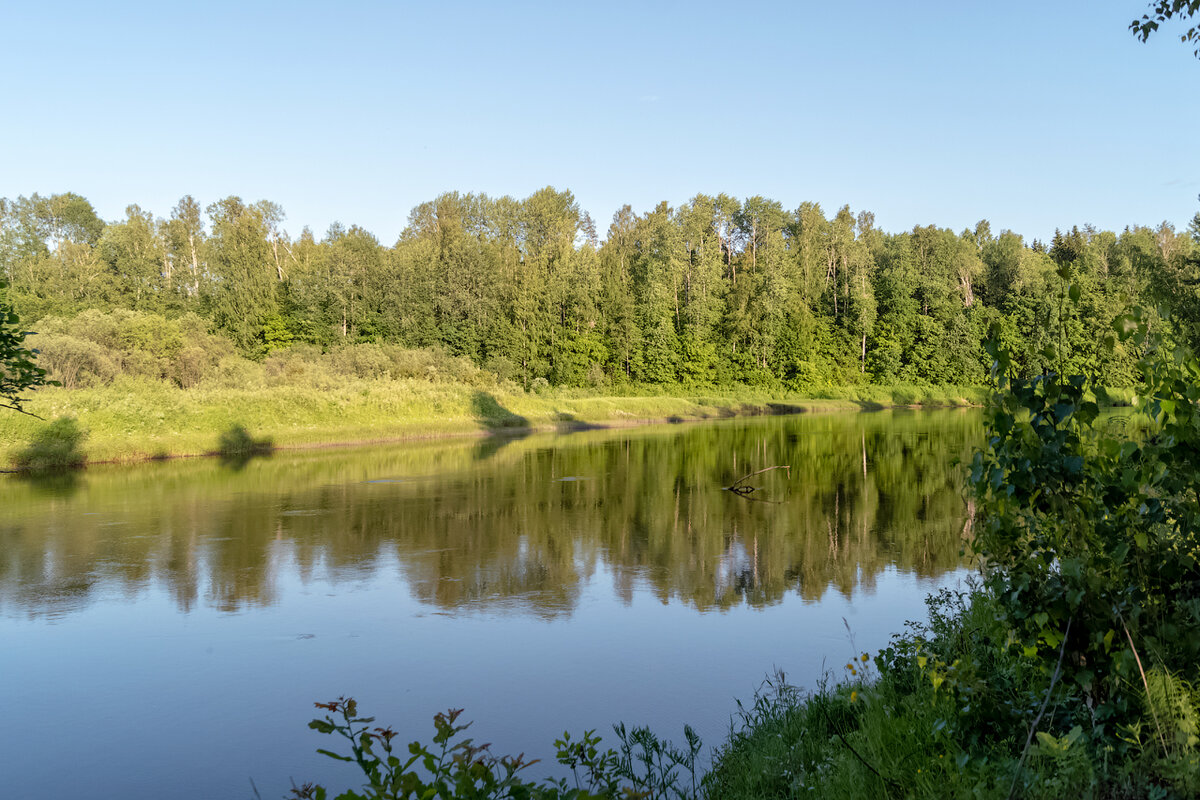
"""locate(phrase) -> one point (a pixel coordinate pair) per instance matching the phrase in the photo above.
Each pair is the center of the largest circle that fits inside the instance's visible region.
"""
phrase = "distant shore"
(137, 420)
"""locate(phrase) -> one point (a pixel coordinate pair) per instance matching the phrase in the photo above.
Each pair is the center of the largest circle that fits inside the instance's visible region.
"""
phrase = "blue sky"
(1034, 115)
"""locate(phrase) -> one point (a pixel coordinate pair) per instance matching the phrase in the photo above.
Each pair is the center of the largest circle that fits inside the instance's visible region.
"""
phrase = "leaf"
(1074, 293)
(333, 755)
(1124, 325)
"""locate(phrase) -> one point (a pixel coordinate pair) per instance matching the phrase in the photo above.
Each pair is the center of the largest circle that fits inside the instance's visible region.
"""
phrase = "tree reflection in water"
(519, 525)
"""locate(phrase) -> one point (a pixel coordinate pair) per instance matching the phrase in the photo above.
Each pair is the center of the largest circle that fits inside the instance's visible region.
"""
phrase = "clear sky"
(1034, 115)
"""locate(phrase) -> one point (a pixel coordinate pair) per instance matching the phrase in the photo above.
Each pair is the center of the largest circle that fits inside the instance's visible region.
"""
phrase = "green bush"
(94, 348)
(75, 362)
(1071, 667)
(56, 446)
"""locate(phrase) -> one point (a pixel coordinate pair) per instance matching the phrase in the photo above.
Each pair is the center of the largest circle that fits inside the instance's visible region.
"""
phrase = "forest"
(714, 292)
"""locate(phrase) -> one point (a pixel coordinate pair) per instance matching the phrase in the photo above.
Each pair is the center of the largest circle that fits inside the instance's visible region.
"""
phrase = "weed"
(456, 767)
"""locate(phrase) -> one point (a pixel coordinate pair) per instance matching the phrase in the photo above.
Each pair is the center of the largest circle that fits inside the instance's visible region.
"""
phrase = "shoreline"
(144, 421)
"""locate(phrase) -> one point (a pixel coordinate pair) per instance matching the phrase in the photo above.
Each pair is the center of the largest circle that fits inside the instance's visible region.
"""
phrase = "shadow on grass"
(568, 423)
(785, 408)
(237, 447)
(503, 425)
(493, 416)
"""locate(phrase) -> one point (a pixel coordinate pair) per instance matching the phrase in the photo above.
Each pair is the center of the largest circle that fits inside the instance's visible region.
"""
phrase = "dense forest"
(715, 292)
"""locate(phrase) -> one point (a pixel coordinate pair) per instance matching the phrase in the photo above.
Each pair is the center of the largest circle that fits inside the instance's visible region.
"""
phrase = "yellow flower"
(854, 697)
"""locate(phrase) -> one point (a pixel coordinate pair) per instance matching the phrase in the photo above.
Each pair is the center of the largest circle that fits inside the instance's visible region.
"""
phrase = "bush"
(235, 372)
(1072, 666)
(56, 446)
(596, 377)
(75, 362)
(96, 347)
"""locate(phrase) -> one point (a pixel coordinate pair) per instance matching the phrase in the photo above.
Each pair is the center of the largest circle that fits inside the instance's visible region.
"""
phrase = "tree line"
(716, 291)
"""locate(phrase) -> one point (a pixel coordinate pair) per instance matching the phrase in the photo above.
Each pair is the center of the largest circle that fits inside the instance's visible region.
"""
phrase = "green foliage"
(18, 371)
(1089, 536)
(1163, 10)
(57, 445)
(1071, 667)
(715, 292)
(455, 767)
(94, 348)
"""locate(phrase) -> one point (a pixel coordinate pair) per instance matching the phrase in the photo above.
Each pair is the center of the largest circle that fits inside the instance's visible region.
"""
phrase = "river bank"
(135, 420)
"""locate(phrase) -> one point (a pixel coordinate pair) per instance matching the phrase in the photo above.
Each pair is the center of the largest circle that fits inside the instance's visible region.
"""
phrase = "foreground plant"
(1073, 663)
(19, 372)
(1090, 538)
(457, 767)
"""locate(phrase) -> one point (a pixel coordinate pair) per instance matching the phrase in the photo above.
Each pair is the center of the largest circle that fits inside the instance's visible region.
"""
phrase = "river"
(165, 628)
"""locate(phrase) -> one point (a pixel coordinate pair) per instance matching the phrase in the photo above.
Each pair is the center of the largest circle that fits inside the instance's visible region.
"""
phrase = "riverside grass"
(137, 419)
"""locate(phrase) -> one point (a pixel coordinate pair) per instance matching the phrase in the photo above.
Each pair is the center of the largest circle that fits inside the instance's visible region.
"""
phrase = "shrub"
(503, 368)
(642, 766)
(1091, 532)
(75, 362)
(596, 378)
(95, 347)
(236, 372)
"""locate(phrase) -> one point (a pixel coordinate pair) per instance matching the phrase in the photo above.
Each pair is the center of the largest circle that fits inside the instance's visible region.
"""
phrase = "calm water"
(165, 629)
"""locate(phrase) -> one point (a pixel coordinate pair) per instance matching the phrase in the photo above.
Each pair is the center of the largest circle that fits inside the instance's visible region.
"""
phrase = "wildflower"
(854, 697)
(864, 658)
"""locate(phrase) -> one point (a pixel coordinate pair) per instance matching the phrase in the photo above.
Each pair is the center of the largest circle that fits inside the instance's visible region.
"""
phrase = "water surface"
(165, 628)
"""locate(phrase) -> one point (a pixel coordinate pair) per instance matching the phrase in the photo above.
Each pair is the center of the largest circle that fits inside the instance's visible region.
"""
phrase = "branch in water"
(736, 488)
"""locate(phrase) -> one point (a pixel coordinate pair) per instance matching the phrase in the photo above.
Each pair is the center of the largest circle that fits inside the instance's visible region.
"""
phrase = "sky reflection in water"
(170, 624)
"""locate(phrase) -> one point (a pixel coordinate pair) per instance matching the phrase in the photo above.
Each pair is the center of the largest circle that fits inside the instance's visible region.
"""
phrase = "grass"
(882, 730)
(53, 446)
(135, 419)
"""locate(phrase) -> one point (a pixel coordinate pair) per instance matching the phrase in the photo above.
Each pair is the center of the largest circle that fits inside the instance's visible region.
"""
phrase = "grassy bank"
(135, 419)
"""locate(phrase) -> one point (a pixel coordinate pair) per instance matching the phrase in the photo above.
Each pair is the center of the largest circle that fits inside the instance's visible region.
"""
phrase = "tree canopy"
(715, 291)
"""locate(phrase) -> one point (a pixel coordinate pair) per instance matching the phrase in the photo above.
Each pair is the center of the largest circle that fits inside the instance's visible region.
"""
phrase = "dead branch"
(737, 488)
